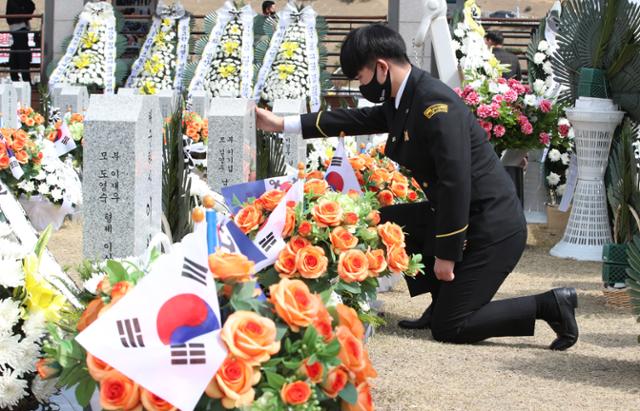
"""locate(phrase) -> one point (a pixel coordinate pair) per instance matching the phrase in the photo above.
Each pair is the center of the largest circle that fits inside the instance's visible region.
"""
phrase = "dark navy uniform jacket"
(435, 136)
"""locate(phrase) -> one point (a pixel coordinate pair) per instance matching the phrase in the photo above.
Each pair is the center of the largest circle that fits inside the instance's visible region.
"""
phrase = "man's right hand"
(269, 122)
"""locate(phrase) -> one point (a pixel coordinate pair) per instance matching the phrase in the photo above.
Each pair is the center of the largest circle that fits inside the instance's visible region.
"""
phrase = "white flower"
(455, 45)
(10, 349)
(530, 100)
(563, 122)
(5, 230)
(35, 326)
(9, 315)
(12, 389)
(43, 189)
(459, 33)
(543, 45)
(554, 155)
(11, 250)
(561, 189)
(553, 179)
(538, 86)
(40, 176)
(547, 67)
(52, 179)
(539, 58)
(44, 389)
(25, 362)
(56, 193)
(566, 159)
(91, 284)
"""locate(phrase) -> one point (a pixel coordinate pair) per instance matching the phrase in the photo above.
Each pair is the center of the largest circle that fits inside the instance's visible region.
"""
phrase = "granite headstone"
(293, 146)
(74, 97)
(200, 102)
(23, 88)
(9, 104)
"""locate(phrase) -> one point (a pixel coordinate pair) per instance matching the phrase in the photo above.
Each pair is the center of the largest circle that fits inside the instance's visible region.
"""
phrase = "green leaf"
(84, 391)
(116, 272)
(349, 394)
(332, 349)
(310, 336)
(276, 381)
(42, 242)
(353, 288)
(281, 331)
(292, 365)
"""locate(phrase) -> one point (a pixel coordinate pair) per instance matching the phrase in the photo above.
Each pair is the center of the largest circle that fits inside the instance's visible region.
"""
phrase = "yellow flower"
(230, 46)
(41, 296)
(159, 39)
(235, 30)
(82, 61)
(153, 65)
(285, 70)
(166, 22)
(148, 88)
(89, 39)
(227, 70)
(493, 62)
(288, 48)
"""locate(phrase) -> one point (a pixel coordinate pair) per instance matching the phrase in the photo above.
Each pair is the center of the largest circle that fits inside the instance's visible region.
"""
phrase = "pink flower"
(502, 81)
(495, 110)
(472, 98)
(523, 119)
(545, 106)
(516, 86)
(484, 111)
(544, 138)
(467, 89)
(564, 129)
(499, 130)
(498, 98)
(487, 126)
(526, 128)
(458, 91)
(511, 96)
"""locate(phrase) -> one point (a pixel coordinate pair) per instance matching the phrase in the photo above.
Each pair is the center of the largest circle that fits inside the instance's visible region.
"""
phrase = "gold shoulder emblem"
(435, 109)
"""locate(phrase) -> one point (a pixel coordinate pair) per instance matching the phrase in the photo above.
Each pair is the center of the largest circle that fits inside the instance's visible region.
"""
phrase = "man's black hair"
(266, 5)
(495, 37)
(366, 44)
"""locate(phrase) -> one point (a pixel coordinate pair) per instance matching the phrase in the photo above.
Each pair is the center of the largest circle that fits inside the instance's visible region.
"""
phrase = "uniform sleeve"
(353, 122)
(450, 148)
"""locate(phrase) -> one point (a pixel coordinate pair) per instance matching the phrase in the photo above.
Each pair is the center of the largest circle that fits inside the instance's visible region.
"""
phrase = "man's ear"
(382, 68)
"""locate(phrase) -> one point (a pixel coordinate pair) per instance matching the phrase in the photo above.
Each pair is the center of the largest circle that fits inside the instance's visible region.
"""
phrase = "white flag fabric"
(340, 174)
(164, 334)
(64, 142)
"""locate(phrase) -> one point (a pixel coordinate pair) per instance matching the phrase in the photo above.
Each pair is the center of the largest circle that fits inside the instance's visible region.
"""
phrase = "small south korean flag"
(164, 334)
(340, 174)
(64, 141)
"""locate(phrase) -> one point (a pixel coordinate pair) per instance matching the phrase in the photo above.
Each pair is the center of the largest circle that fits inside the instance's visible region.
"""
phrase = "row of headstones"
(122, 176)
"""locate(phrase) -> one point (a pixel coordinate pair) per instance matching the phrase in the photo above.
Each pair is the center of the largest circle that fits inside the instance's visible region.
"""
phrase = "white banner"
(164, 334)
(184, 31)
(138, 65)
(313, 57)
(572, 181)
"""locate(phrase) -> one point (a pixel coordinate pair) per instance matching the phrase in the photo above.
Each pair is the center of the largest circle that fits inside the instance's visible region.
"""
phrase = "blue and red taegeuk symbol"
(335, 180)
(184, 317)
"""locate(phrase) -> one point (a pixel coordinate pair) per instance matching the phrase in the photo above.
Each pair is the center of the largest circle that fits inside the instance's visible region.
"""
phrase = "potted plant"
(598, 63)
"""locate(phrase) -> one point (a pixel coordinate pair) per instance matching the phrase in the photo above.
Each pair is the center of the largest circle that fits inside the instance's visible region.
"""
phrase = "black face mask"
(376, 92)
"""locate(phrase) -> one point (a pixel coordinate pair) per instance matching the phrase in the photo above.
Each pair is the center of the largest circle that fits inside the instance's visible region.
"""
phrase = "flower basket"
(617, 298)
(42, 212)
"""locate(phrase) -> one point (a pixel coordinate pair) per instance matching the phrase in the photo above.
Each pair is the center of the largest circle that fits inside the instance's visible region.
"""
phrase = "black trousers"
(20, 56)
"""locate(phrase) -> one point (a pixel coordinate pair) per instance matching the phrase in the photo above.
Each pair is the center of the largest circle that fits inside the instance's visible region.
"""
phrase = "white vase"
(535, 191)
(594, 121)
(512, 157)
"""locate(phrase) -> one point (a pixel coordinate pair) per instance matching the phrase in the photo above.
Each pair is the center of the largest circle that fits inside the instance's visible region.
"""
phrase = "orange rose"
(357, 163)
(118, 392)
(377, 262)
(98, 369)
(119, 290)
(399, 189)
(230, 267)
(297, 243)
(365, 401)
(48, 368)
(38, 119)
(52, 136)
(22, 157)
(391, 234)
(360, 177)
(327, 213)
(295, 393)
(286, 263)
(315, 174)
(351, 349)
(324, 322)
(29, 122)
(348, 317)
(385, 197)
(351, 218)
(337, 379)
(367, 372)
(77, 118)
(38, 158)
(249, 218)
(271, 198)
(398, 258)
(152, 402)
(412, 195)
(380, 177)
(233, 383)
(311, 262)
(373, 218)
(316, 186)
(398, 177)
(353, 266)
(290, 223)
(342, 240)
(304, 229)
(23, 118)
(313, 371)
(4, 163)
(90, 314)
(19, 143)
(294, 303)
(250, 337)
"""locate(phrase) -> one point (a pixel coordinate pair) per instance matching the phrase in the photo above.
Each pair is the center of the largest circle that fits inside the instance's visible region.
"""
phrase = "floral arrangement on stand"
(27, 302)
(20, 156)
(293, 64)
(90, 58)
(165, 52)
(513, 115)
(226, 68)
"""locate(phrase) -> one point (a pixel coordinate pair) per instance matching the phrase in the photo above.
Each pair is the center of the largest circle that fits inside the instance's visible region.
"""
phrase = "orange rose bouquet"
(195, 127)
(75, 125)
(24, 148)
(31, 122)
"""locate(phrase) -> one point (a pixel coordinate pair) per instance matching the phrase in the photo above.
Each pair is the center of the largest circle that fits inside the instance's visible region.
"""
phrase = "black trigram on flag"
(190, 353)
(65, 140)
(267, 242)
(130, 333)
(194, 271)
(336, 161)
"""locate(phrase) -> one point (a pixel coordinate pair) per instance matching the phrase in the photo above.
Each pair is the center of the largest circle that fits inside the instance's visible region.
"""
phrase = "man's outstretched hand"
(269, 122)
(443, 269)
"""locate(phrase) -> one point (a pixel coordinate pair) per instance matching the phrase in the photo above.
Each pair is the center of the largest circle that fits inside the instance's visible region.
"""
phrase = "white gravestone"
(126, 91)
(200, 102)
(55, 91)
(168, 100)
(23, 88)
(9, 105)
(293, 146)
(122, 177)
(231, 153)
(74, 97)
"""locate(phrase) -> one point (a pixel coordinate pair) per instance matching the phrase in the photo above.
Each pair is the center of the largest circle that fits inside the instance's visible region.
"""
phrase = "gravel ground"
(601, 372)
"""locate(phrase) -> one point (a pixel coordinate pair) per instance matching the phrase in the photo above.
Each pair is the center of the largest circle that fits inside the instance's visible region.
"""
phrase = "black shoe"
(421, 323)
(567, 327)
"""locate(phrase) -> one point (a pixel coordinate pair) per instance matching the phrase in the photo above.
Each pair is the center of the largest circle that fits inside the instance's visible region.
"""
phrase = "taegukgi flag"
(340, 174)
(241, 192)
(164, 334)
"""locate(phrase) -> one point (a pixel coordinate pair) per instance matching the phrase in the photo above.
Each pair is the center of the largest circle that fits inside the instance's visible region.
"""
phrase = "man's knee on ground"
(445, 334)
